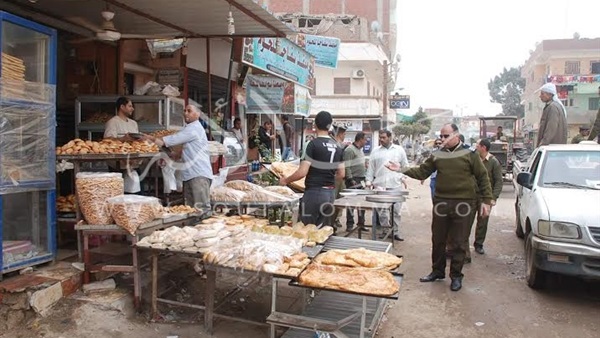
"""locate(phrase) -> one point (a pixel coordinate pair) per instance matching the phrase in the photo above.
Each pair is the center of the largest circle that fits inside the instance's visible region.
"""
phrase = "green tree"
(418, 124)
(506, 89)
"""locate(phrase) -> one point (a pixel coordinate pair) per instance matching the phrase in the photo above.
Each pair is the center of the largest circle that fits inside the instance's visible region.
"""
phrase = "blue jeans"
(316, 206)
(432, 186)
(287, 151)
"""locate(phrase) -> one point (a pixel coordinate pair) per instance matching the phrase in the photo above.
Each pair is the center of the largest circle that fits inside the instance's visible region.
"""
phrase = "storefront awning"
(158, 18)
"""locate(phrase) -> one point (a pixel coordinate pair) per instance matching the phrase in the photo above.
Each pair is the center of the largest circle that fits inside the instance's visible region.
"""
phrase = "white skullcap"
(550, 88)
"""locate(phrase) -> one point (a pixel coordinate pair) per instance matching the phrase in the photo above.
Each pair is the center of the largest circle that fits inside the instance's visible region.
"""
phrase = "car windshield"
(572, 169)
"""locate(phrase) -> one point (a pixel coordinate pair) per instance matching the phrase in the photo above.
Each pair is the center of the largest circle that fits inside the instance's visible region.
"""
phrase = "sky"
(451, 49)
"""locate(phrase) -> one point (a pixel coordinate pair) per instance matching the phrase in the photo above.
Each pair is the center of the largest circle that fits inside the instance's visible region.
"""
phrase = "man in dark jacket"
(553, 124)
(266, 137)
(460, 175)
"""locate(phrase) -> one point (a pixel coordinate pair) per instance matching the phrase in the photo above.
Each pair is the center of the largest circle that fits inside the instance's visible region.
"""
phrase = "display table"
(336, 312)
(86, 230)
(331, 311)
(359, 202)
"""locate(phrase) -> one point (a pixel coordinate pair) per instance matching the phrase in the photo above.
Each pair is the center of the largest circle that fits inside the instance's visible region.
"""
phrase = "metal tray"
(358, 191)
(397, 276)
(385, 198)
(312, 252)
(392, 192)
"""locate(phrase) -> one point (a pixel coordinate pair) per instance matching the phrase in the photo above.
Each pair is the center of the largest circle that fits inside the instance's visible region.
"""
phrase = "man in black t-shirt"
(322, 166)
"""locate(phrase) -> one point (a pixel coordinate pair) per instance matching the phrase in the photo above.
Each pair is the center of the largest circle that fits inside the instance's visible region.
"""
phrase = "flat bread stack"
(360, 258)
(357, 280)
(13, 76)
(285, 169)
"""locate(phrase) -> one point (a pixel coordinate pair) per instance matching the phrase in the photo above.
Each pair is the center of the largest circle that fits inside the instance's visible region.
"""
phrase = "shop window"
(567, 102)
(595, 67)
(341, 85)
(572, 67)
(594, 103)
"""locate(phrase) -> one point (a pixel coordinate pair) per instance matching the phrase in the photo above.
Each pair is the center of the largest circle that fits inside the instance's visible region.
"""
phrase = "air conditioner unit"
(358, 74)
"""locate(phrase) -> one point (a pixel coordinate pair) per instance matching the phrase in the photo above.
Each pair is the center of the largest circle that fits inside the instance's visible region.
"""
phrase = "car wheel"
(536, 278)
(519, 230)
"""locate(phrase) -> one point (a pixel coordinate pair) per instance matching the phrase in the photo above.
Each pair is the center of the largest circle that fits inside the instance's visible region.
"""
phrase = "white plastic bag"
(132, 182)
(145, 88)
(169, 180)
(170, 91)
(219, 180)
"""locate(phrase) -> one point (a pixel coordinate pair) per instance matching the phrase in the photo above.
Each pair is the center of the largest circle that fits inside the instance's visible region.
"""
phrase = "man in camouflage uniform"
(584, 132)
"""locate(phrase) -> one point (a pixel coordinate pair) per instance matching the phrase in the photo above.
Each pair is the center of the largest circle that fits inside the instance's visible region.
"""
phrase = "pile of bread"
(358, 270)
(196, 239)
(162, 132)
(66, 203)
(239, 191)
(309, 234)
(178, 209)
(260, 252)
(99, 117)
(106, 146)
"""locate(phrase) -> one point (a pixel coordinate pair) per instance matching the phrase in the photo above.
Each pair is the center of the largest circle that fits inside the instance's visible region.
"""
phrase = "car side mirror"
(524, 179)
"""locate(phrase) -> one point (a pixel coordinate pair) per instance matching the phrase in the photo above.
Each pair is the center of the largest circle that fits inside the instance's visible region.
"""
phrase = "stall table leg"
(154, 285)
(209, 300)
(86, 258)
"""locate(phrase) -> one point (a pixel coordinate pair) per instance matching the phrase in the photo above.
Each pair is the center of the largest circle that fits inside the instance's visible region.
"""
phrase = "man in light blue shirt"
(196, 171)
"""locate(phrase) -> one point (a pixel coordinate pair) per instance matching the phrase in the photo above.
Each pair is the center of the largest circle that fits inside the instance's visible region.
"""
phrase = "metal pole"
(302, 138)
(209, 103)
(385, 94)
(229, 99)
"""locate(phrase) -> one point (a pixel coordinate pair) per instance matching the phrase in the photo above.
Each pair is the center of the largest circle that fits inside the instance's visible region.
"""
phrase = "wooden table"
(86, 230)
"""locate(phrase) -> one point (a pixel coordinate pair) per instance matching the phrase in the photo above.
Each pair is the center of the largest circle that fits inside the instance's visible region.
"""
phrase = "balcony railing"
(573, 79)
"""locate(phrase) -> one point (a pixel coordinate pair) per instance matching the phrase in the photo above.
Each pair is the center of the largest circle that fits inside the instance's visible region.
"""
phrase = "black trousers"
(451, 222)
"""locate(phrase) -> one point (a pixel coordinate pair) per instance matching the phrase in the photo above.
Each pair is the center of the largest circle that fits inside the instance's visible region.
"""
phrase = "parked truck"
(557, 211)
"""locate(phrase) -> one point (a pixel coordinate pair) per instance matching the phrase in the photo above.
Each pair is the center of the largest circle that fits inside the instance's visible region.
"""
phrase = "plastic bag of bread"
(131, 211)
(225, 194)
(93, 189)
(242, 185)
(263, 196)
(284, 191)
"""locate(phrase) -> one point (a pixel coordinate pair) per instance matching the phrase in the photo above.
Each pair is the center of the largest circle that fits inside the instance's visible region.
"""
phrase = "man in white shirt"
(121, 125)
(237, 129)
(379, 177)
(196, 172)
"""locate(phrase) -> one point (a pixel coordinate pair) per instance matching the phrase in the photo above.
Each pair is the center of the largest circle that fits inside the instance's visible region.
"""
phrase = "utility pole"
(385, 95)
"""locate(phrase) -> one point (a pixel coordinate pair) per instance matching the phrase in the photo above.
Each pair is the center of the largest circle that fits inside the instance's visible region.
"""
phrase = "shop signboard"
(280, 57)
(323, 48)
(399, 102)
(272, 95)
(350, 125)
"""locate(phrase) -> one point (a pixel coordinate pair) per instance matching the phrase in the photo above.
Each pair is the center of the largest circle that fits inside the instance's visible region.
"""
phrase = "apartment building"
(574, 66)
(355, 91)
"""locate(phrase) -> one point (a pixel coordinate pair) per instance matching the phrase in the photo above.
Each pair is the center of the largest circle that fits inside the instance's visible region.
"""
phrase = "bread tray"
(397, 276)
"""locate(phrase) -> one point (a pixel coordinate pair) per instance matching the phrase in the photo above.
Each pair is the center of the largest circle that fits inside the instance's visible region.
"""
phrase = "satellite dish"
(576, 36)
(375, 26)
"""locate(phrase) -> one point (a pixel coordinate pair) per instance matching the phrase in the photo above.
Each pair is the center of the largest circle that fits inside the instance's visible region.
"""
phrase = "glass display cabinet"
(151, 113)
(27, 143)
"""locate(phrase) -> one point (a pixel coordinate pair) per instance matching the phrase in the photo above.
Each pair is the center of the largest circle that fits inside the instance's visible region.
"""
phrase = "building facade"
(356, 90)
(574, 66)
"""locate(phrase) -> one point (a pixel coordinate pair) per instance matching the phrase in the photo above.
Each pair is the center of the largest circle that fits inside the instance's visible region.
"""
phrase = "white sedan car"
(558, 211)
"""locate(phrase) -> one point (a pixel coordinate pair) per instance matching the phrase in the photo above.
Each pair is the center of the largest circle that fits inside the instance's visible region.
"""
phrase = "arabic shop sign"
(280, 57)
(324, 49)
(273, 95)
(399, 102)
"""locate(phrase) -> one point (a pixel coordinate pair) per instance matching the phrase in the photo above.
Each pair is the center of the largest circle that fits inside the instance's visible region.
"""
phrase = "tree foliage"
(419, 124)
(506, 89)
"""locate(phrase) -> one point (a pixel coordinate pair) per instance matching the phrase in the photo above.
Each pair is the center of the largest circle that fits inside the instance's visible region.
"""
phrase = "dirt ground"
(494, 302)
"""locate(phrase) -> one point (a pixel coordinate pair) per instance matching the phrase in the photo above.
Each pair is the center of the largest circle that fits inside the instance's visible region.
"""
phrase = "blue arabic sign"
(272, 95)
(324, 49)
(280, 57)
